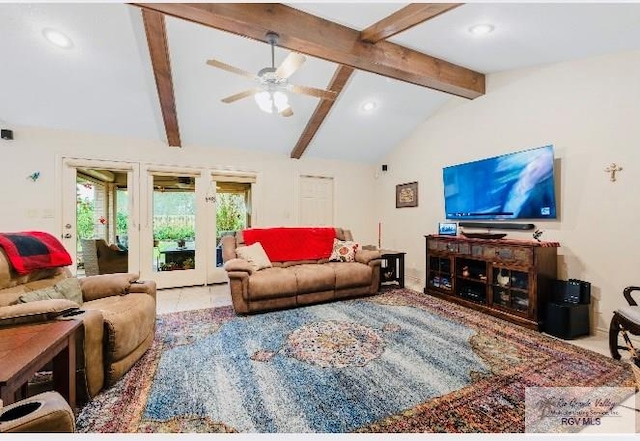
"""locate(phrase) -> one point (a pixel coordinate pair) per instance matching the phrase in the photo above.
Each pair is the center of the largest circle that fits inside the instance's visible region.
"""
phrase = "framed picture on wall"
(407, 195)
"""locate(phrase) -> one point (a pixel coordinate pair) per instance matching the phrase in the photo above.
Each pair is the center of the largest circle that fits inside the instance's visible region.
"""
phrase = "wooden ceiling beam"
(339, 80)
(320, 38)
(403, 19)
(154, 27)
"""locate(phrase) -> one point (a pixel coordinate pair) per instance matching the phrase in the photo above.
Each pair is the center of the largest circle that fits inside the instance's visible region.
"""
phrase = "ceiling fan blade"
(229, 68)
(290, 64)
(239, 96)
(318, 93)
(287, 112)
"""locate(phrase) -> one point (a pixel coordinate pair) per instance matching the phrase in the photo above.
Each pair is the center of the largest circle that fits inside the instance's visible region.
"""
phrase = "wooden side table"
(392, 268)
(25, 349)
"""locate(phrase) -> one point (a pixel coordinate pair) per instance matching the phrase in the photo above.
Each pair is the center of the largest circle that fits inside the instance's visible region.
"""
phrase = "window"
(232, 207)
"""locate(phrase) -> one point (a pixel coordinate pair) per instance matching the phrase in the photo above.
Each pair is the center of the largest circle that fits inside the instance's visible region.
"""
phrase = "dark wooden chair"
(625, 319)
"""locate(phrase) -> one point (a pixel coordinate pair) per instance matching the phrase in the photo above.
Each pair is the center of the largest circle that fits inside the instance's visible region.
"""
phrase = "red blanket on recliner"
(31, 250)
(292, 243)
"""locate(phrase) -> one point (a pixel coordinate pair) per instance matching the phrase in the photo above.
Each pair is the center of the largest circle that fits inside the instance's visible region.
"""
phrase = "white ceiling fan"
(273, 83)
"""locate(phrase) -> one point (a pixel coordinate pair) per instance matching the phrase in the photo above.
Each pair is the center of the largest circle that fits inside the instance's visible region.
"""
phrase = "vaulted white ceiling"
(104, 83)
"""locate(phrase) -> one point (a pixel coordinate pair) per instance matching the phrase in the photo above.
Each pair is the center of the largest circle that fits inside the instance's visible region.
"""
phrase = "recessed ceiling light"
(369, 106)
(481, 29)
(57, 38)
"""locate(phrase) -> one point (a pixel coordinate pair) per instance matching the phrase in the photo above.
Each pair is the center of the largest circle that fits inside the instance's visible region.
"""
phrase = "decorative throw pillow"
(70, 289)
(255, 255)
(47, 293)
(344, 251)
(38, 311)
(65, 289)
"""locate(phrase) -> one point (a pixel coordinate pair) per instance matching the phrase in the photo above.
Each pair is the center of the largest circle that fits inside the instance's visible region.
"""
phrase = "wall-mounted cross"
(612, 169)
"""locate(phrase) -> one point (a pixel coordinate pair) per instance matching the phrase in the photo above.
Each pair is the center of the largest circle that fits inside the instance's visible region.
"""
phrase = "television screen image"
(517, 185)
(448, 228)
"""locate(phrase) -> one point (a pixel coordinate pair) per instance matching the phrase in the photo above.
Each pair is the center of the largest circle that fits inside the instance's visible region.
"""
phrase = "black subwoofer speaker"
(567, 320)
(571, 291)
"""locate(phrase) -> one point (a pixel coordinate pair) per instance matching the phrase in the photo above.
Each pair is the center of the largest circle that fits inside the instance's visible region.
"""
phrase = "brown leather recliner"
(118, 322)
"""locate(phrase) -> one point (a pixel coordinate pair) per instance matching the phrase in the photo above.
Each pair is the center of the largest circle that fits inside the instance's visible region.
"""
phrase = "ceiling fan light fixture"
(272, 101)
(273, 82)
(263, 99)
(280, 100)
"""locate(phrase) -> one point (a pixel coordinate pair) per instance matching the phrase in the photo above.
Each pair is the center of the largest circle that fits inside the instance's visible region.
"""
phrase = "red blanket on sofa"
(292, 243)
(31, 250)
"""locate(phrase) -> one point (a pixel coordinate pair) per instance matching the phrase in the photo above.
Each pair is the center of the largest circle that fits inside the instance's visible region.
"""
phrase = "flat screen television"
(517, 185)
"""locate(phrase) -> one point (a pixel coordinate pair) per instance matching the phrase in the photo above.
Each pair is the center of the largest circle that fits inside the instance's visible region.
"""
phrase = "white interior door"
(108, 178)
(316, 200)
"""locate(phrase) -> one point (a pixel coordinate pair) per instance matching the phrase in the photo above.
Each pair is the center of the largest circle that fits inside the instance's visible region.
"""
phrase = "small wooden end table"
(25, 349)
(392, 268)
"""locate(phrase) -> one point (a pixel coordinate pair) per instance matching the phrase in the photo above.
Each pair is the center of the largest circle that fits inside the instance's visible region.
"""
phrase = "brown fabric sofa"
(119, 319)
(295, 283)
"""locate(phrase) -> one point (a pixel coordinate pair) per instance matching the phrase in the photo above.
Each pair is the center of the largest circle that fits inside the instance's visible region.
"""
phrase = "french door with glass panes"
(167, 222)
(175, 249)
(100, 212)
(233, 193)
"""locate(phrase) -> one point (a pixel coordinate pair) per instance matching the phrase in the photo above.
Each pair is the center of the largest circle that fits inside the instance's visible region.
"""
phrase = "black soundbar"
(497, 225)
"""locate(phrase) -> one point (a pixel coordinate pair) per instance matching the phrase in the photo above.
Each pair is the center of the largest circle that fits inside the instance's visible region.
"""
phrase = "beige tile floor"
(197, 297)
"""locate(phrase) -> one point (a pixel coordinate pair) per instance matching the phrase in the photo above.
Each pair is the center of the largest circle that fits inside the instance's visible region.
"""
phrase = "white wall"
(27, 205)
(590, 111)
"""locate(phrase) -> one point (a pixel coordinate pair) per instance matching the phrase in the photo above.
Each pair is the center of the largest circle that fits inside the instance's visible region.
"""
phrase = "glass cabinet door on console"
(440, 272)
(471, 279)
(511, 289)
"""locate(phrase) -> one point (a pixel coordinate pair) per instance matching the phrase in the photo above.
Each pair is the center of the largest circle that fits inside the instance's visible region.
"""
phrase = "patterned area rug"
(400, 361)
